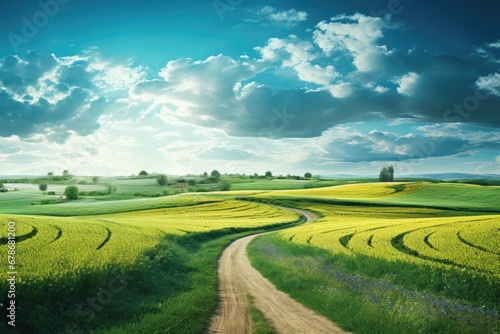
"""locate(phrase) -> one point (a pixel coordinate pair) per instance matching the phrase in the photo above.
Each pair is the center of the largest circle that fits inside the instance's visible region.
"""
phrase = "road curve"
(237, 277)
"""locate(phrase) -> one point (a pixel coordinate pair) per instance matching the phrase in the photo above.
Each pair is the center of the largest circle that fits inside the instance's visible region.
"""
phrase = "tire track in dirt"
(237, 277)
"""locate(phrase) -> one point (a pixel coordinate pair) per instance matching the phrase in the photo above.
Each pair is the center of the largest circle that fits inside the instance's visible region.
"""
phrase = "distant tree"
(50, 174)
(308, 175)
(226, 186)
(143, 173)
(192, 182)
(110, 188)
(255, 175)
(1, 184)
(215, 174)
(161, 179)
(386, 174)
(269, 174)
(42, 186)
(71, 192)
(95, 179)
(205, 174)
(65, 172)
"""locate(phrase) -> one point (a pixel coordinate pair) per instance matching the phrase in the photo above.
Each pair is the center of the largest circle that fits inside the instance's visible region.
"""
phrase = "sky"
(328, 87)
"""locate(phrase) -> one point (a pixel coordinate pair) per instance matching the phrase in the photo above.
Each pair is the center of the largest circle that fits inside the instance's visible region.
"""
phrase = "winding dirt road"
(237, 277)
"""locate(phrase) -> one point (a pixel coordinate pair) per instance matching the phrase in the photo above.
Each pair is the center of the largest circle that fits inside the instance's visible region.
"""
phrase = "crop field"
(391, 258)
(53, 247)
(434, 235)
(164, 244)
(469, 242)
(398, 251)
(454, 196)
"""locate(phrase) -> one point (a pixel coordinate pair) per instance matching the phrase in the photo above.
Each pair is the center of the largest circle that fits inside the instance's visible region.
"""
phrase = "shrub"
(43, 186)
(71, 192)
(161, 179)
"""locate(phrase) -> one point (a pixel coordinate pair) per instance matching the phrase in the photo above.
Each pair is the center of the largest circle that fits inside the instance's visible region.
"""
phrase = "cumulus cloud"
(50, 97)
(56, 97)
(213, 93)
(221, 92)
(407, 83)
(298, 55)
(357, 34)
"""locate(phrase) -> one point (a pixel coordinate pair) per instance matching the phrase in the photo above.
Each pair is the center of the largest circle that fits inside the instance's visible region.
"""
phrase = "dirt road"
(237, 278)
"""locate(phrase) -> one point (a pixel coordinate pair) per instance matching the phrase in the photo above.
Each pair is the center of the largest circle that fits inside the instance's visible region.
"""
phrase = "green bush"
(43, 186)
(71, 192)
(161, 179)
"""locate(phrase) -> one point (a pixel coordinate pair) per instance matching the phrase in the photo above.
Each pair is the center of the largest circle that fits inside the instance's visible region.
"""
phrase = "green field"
(382, 257)
(278, 184)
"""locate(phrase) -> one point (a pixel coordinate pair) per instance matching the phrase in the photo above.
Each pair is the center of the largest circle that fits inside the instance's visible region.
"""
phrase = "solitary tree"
(65, 172)
(161, 179)
(42, 186)
(308, 175)
(71, 192)
(215, 174)
(50, 174)
(386, 174)
(269, 174)
(143, 173)
(95, 179)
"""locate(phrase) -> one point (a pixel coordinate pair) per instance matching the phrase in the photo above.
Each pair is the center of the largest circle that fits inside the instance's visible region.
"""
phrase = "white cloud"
(490, 83)
(356, 34)
(381, 89)
(407, 83)
(112, 77)
(297, 54)
(288, 18)
(340, 90)
(495, 45)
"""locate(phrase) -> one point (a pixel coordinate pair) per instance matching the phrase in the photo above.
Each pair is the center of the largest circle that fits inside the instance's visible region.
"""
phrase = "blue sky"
(114, 87)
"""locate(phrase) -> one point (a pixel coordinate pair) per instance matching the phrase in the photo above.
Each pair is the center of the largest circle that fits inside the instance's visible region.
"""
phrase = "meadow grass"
(90, 206)
(369, 295)
(281, 184)
(260, 324)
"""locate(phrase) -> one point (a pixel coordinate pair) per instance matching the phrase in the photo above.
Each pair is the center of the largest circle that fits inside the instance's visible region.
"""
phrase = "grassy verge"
(367, 295)
(260, 324)
(171, 288)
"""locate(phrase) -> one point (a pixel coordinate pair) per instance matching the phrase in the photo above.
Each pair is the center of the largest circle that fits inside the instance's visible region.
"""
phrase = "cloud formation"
(344, 72)
(56, 97)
